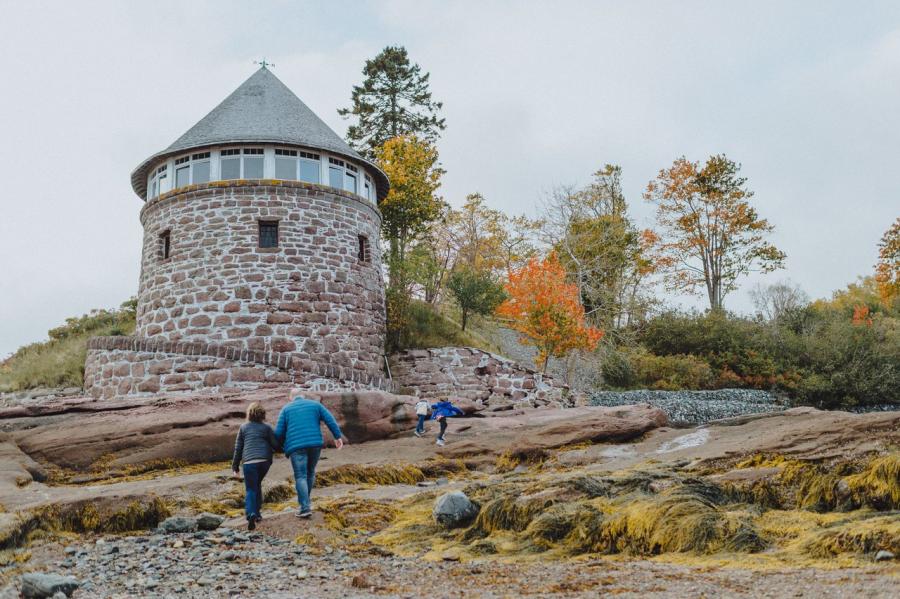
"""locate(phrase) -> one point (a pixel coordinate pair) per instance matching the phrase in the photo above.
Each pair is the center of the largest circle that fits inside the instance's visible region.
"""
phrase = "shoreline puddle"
(695, 439)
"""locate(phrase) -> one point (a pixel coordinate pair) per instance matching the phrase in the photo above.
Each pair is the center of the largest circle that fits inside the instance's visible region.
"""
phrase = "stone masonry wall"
(120, 366)
(311, 297)
(474, 374)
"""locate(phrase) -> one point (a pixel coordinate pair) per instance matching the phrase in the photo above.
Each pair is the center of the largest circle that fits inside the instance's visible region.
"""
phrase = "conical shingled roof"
(262, 109)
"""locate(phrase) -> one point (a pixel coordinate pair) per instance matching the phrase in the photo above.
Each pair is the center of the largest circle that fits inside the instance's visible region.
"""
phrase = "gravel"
(686, 408)
(206, 565)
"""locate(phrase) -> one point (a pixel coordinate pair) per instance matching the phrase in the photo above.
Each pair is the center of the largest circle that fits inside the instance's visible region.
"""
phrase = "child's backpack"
(422, 408)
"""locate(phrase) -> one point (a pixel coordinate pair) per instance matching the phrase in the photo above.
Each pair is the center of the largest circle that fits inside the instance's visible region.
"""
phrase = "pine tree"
(393, 100)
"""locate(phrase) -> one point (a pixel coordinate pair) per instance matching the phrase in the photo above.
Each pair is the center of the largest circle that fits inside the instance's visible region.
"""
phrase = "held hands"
(237, 473)
(339, 443)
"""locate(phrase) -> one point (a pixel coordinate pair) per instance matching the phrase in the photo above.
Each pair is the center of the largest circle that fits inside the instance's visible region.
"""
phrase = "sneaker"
(304, 514)
(418, 434)
(440, 442)
(251, 523)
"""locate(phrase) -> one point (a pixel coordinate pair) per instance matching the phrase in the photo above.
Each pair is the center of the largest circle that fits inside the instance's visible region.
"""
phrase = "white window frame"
(286, 154)
(310, 158)
(255, 151)
(269, 153)
(161, 172)
(231, 154)
(198, 158)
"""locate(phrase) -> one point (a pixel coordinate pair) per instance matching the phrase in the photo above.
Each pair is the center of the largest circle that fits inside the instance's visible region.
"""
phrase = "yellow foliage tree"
(887, 270)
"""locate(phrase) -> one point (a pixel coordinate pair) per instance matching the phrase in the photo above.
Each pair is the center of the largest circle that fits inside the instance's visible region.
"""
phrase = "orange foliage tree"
(547, 311)
(887, 271)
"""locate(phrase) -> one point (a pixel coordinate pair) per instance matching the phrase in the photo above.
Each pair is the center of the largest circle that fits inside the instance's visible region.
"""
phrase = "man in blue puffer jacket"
(440, 411)
(300, 434)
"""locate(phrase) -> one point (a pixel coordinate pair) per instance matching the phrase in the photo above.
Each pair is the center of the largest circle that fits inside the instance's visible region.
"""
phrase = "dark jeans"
(443, 422)
(304, 461)
(253, 477)
(420, 427)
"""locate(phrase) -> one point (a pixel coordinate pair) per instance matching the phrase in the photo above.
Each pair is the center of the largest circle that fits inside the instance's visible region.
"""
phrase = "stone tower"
(260, 258)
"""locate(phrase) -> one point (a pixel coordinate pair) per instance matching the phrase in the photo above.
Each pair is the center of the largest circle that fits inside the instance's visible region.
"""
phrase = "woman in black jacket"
(254, 446)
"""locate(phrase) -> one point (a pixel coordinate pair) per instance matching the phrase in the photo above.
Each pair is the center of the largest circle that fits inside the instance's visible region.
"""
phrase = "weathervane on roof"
(263, 63)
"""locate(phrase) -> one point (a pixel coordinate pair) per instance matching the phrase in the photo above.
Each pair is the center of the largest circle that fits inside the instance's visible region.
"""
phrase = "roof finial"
(262, 63)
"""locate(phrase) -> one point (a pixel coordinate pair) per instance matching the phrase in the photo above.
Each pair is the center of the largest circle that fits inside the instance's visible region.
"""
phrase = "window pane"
(309, 170)
(253, 167)
(182, 176)
(153, 188)
(268, 234)
(350, 182)
(164, 184)
(231, 168)
(201, 172)
(336, 177)
(285, 168)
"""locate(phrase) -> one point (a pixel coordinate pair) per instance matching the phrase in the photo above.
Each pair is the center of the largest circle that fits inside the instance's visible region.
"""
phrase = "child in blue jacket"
(440, 411)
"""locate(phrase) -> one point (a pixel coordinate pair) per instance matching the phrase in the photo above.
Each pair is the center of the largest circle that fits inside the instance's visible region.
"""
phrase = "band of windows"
(250, 163)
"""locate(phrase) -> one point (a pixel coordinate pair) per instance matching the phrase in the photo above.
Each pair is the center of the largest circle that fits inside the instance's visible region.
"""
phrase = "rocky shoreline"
(232, 563)
(687, 408)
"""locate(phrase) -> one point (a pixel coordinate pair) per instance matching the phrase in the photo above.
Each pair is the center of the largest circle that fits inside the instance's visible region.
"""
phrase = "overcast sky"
(804, 94)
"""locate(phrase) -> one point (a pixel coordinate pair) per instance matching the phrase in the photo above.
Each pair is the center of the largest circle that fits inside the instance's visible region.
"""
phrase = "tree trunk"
(465, 318)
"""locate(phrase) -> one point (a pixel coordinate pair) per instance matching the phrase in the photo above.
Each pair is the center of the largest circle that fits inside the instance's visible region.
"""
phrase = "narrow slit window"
(268, 234)
(165, 244)
(364, 251)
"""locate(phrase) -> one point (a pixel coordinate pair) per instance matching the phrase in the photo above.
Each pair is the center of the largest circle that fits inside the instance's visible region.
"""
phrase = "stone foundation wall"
(313, 296)
(123, 366)
(474, 374)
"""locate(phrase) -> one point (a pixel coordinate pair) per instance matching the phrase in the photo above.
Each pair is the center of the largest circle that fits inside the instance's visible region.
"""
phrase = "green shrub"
(638, 368)
(59, 362)
(818, 355)
(846, 364)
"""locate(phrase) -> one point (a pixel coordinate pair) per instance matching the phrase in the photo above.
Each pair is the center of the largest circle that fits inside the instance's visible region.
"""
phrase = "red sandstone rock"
(194, 428)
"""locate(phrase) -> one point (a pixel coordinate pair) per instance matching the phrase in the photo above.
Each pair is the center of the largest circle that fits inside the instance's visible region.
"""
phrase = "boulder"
(194, 428)
(884, 556)
(369, 415)
(454, 509)
(207, 521)
(17, 468)
(178, 524)
(39, 585)
(533, 431)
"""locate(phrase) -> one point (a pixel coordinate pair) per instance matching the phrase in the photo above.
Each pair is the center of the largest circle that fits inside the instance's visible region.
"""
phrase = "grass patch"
(59, 361)
(427, 327)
